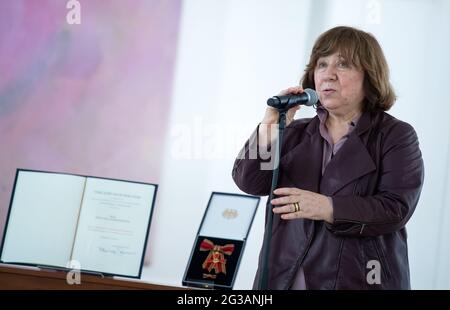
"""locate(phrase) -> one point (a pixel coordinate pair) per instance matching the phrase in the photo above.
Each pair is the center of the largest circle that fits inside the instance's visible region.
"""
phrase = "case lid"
(229, 216)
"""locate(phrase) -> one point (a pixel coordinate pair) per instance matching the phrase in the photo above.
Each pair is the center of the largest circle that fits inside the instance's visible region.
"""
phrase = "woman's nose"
(330, 73)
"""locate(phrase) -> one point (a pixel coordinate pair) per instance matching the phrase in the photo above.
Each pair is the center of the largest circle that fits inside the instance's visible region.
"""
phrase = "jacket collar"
(364, 124)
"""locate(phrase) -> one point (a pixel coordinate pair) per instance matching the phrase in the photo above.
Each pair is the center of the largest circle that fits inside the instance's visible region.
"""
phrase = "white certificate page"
(43, 218)
(113, 225)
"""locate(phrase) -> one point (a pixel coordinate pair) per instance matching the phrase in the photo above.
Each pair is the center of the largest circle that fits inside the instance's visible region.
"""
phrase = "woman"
(350, 178)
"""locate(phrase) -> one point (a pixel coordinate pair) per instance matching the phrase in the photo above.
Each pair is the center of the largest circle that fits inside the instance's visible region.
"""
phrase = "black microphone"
(284, 103)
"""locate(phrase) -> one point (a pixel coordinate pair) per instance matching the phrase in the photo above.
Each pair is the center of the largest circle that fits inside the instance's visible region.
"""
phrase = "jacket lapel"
(303, 163)
(351, 162)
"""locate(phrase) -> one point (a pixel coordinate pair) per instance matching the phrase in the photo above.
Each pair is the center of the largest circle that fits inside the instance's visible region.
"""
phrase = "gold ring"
(296, 207)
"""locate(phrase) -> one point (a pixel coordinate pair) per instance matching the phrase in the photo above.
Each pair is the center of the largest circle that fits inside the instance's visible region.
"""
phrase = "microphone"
(284, 103)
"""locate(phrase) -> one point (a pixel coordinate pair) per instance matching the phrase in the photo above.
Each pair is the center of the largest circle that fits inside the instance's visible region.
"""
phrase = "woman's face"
(339, 84)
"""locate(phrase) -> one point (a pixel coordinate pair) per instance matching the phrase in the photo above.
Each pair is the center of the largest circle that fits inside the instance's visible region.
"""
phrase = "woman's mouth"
(328, 91)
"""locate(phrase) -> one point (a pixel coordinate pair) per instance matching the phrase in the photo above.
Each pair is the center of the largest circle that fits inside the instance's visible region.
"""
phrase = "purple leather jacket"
(374, 181)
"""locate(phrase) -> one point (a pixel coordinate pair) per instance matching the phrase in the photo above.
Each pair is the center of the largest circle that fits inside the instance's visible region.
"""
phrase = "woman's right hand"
(271, 117)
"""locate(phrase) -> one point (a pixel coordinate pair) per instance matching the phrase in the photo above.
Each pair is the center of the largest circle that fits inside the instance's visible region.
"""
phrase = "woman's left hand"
(311, 205)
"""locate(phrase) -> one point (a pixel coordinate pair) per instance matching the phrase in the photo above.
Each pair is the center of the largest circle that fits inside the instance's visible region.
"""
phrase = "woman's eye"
(321, 65)
(343, 65)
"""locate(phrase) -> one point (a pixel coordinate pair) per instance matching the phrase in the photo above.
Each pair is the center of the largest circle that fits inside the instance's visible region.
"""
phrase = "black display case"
(220, 241)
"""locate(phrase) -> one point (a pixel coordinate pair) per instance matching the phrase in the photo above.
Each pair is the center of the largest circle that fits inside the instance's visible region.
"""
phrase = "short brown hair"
(362, 50)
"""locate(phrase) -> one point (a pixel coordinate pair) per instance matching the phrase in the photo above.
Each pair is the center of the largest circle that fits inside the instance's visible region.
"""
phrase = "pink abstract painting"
(90, 99)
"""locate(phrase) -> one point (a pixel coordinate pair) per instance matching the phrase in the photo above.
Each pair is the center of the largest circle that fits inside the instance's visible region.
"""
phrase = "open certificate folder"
(55, 218)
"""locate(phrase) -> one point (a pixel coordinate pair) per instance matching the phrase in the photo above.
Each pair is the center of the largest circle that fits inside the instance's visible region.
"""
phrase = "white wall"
(233, 55)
